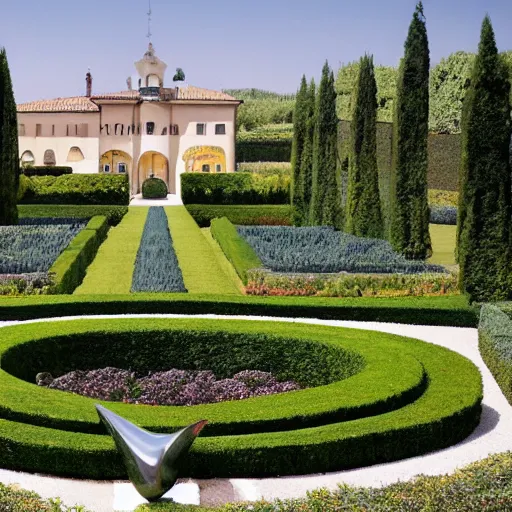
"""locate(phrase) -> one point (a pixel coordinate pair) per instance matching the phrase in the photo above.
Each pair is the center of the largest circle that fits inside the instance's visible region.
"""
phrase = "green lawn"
(112, 270)
(443, 244)
(202, 270)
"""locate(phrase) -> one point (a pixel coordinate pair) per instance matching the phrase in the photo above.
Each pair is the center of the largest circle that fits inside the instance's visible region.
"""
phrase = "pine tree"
(483, 224)
(409, 233)
(9, 163)
(325, 195)
(299, 134)
(363, 215)
(306, 164)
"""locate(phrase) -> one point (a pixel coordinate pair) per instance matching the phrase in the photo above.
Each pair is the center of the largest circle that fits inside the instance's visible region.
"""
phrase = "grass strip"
(201, 270)
(112, 270)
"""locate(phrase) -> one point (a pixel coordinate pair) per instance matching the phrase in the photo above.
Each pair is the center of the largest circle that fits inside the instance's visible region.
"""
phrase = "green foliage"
(444, 157)
(114, 214)
(249, 215)
(235, 188)
(449, 408)
(261, 282)
(346, 81)
(9, 163)
(78, 189)
(483, 229)
(325, 207)
(235, 248)
(409, 233)
(179, 75)
(154, 188)
(268, 143)
(322, 249)
(363, 215)
(266, 168)
(23, 185)
(300, 120)
(495, 345)
(46, 170)
(70, 267)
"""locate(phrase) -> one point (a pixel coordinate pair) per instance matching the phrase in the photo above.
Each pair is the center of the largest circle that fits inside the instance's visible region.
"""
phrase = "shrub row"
(77, 189)
(114, 214)
(37, 283)
(70, 267)
(235, 248)
(265, 168)
(46, 170)
(249, 215)
(235, 188)
(443, 215)
(495, 344)
(448, 411)
(322, 249)
(262, 282)
(156, 265)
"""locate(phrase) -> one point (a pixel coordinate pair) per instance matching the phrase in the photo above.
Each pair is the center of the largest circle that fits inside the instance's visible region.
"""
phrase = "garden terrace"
(412, 417)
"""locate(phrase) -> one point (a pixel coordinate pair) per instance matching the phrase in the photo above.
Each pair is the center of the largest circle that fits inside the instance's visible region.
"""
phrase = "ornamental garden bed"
(371, 397)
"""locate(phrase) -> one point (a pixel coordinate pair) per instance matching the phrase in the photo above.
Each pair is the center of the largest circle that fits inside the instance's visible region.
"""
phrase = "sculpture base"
(127, 499)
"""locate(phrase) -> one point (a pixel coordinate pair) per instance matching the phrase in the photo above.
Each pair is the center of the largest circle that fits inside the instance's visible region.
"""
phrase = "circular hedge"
(154, 188)
(376, 397)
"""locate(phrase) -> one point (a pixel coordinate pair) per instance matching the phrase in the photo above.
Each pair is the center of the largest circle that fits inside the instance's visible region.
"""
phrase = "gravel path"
(491, 436)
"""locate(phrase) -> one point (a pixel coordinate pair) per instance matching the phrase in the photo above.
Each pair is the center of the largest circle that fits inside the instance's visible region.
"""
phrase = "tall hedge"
(409, 232)
(325, 207)
(299, 136)
(483, 232)
(363, 215)
(9, 163)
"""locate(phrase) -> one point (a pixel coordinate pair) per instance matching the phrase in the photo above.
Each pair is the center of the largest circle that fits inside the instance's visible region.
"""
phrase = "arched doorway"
(156, 164)
(205, 159)
(116, 162)
(27, 159)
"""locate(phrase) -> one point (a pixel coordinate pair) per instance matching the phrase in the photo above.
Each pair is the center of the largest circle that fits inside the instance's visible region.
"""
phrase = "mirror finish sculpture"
(150, 459)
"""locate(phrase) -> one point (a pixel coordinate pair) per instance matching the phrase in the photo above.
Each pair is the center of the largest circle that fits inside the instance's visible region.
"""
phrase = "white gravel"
(491, 436)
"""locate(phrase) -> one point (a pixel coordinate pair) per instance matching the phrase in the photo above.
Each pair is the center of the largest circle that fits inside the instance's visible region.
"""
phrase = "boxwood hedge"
(446, 412)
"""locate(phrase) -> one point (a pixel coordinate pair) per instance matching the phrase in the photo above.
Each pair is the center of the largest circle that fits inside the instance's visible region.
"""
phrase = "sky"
(266, 44)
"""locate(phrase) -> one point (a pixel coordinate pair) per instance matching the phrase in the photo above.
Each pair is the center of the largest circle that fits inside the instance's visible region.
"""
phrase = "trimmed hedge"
(70, 267)
(452, 311)
(443, 215)
(266, 144)
(154, 188)
(495, 344)
(235, 248)
(234, 188)
(46, 170)
(447, 412)
(248, 215)
(114, 214)
(78, 189)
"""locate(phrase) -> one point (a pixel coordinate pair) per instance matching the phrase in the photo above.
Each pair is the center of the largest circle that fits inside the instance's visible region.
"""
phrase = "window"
(27, 159)
(201, 129)
(72, 130)
(83, 130)
(174, 129)
(119, 129)
(49, 157)
(150, 128)
(21, 130)
(53, 130)
(75, 154)
(220, 129)
(106, 167)
(218, 167)
(164, 131)
(205, 168)
(39, 129)
(121, 168)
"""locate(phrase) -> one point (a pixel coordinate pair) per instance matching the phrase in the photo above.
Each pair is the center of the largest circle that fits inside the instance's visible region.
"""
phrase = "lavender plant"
(156, 264)
(324, 250)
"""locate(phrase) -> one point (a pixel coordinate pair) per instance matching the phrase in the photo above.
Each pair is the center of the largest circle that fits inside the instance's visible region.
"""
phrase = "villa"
(157, 130)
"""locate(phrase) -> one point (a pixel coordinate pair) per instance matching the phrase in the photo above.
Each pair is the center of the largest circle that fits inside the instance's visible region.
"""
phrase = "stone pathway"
(491, 436)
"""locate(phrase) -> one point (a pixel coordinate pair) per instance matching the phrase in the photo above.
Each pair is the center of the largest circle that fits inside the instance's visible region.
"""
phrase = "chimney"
(88, 81)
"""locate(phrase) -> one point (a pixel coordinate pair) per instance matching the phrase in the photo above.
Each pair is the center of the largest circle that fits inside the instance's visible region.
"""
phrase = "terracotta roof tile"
(123, 95)
(196, 93)
(73, 104)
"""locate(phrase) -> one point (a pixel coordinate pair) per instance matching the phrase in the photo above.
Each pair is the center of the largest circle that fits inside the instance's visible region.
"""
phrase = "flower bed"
(322, 249)
(156, 264)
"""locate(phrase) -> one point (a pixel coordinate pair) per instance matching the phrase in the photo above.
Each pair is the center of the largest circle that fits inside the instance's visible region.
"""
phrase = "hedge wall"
(248, 215)
(264, 151)
(114, 214)
(46, 170)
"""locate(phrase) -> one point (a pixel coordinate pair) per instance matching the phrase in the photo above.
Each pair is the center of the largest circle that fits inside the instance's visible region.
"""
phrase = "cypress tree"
(306, 164)
(9, 159)
(299, 134)
(363, 215)
(485, 183)
(410, 214)
(325, 194)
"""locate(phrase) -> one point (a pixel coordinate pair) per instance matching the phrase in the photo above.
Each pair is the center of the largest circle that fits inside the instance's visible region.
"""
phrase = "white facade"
(153, 130)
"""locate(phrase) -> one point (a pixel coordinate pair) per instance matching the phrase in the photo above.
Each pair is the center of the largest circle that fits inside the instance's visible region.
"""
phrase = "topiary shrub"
(154, 188)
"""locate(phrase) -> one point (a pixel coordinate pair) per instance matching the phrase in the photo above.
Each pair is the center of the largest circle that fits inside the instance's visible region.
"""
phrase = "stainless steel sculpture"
(150, 459)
